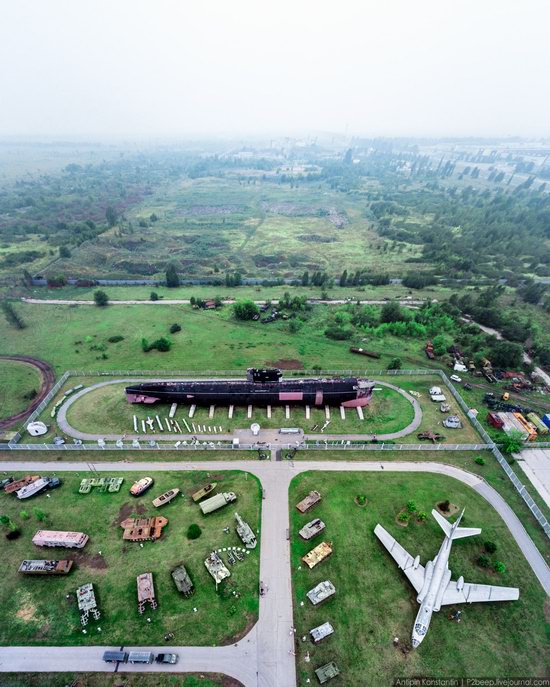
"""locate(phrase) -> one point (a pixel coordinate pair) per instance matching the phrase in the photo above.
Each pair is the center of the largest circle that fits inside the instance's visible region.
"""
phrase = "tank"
(327, 672)
(146, 591)
(143, 529)
(245, 532)
(87, 604)
(321, 632)
(312, 499)
(318, 554)
(216, 568)
(67, 540)
(45, 567)
(183, 581)
(216, 502)
(165, 498)
(321, 592)
(18, 484)
(201, 493)
(312, 529)
(261, 388)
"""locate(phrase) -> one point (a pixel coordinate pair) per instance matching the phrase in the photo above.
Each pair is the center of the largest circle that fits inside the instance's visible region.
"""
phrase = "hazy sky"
(181, 67)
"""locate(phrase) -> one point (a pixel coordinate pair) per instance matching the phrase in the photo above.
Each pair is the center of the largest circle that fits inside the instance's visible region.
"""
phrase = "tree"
(394, 364)
(483, 561)
(154, 296)
(506, 354)
(344, 278)
(392, 312)
(174, 328)
(101, 298)
(490, 546)
(39, 514)
(64, 252)
(111, 215)
(440, 343)
(411, 506)
(153, 217)
(305, 278)
(193, 531)
(172, 277)
(513, 442)
(245, 310)
(499, 567)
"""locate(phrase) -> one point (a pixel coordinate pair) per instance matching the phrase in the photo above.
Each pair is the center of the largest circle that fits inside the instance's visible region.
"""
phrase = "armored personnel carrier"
(87, 604)
(245, 533)
(321, 592)
(201, 493)
(183, 581)
(146, 591)
(165, 498)
(321, 632)
(143, 529)
(44, 567)
(216, 567)
(312, 529)
(327, 672)
(312, 499)
(318, 554)
(216, 502)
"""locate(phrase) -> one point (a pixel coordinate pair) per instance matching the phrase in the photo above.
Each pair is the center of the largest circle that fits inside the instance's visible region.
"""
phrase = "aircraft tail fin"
(454, 531)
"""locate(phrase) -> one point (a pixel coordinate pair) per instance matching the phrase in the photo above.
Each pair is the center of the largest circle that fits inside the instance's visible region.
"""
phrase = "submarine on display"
(260, 388)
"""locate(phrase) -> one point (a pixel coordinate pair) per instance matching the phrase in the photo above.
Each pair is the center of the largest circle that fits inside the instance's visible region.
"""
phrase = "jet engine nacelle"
(416, 562)
(427, 580)
(444, 582)
(460, 583)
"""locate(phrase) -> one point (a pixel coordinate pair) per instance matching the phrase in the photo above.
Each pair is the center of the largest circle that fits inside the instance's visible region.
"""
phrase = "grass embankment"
(106, 410)
(375, 603)
(43, 610)
(18, 385)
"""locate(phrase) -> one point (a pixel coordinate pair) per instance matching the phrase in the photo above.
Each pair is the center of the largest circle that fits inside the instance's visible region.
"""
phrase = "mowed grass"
(17, 382)
(43, 610)
(375, 603)
(105, 410)
(112, 680)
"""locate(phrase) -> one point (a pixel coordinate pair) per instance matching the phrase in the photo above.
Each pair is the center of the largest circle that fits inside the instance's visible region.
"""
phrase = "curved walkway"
(263, 658)
(47, 375)
(68, 429)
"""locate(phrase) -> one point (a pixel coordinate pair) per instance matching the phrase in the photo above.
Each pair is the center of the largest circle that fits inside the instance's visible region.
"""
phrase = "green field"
(18, 381)
(106, 410)
(118, 680)
(43, 610)
(374, 602)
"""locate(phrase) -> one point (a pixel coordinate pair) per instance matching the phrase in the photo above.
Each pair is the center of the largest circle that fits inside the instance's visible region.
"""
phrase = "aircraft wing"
(472, 593)
(403, 558)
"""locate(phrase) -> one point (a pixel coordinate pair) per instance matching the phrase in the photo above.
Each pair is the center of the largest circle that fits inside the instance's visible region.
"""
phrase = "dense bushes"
(11, 315)
(163, 345)
(245, 310)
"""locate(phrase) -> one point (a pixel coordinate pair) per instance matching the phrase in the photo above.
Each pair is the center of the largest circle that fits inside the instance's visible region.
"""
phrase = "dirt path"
(47, 375)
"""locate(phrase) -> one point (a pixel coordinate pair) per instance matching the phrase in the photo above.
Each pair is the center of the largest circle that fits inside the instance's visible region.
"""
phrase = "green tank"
(327, 672)
(183, 581)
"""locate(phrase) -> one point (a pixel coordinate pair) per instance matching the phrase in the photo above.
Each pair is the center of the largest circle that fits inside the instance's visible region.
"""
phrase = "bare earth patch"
(27, 612)
(286, 364)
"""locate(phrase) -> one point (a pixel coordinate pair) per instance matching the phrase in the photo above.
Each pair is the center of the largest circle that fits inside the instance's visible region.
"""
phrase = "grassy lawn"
(374, 602)
(106, 410)
(43, 610)
(115, 680)
(17, 382)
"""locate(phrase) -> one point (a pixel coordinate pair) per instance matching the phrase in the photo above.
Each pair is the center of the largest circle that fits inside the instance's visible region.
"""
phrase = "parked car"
(167, 658)
(456, 378)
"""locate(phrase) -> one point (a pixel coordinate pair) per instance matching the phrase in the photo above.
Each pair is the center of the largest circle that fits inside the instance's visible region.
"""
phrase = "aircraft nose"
(415, 643)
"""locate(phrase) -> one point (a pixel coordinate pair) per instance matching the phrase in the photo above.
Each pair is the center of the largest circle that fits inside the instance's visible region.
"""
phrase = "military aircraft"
(433, 583)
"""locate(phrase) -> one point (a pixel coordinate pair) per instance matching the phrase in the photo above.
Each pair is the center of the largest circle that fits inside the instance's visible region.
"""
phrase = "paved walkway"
(535, 463)
(262, 658)
(68, 429)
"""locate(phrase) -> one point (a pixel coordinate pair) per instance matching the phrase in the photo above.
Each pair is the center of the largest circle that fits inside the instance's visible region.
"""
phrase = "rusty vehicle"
(140, 487)
(45, 567)
(20, 483)
(430, 436)
(362, 351)
(165, 498)
(146, 591)
(321, 552)
(143, 529)
(312, 499)
(204, 491)
(62, 538)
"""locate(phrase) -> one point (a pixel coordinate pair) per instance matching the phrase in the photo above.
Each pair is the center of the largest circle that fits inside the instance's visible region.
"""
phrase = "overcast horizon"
(167, 70)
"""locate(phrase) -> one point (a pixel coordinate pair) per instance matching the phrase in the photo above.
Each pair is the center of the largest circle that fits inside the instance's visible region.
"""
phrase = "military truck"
(183, 581)
(245, 533)
(216, 502)
(312, 529)
(318, 554)
(327, 672)
(312, 499)
(321, 592)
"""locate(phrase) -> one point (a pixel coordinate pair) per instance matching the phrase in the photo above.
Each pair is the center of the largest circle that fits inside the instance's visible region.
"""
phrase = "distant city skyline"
(167, 69)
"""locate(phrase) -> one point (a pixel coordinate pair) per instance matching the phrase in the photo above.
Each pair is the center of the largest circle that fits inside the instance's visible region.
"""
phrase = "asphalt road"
(263, 658)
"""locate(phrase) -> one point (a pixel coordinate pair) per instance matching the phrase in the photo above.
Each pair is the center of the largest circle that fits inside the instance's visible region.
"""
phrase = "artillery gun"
(245, 533)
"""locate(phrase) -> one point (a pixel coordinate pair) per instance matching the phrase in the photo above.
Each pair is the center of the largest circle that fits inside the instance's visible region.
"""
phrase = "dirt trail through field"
(47, 375)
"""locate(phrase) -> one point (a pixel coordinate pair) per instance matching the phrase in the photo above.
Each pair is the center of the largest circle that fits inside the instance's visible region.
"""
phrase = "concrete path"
(535, 463)
(263, 657)
(68, 429)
